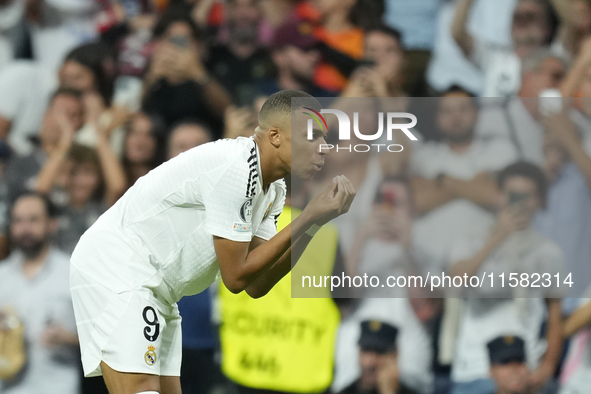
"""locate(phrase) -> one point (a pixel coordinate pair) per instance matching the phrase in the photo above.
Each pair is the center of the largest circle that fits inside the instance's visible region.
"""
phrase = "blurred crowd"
(96, 93)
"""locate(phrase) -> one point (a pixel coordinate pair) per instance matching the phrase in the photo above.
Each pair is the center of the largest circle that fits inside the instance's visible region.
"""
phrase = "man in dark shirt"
(378, 359)
(239, 62)
(177, 86)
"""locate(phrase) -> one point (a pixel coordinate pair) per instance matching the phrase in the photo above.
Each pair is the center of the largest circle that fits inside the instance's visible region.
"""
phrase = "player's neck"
(272, 168)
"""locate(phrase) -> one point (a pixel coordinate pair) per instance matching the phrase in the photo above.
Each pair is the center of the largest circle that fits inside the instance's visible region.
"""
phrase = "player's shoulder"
(229, 148)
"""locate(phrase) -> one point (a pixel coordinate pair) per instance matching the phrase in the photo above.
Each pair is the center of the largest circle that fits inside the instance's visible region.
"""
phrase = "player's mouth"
(318, 167)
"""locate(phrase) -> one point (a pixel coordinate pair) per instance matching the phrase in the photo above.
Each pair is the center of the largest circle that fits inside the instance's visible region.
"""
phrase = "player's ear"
(275, 136)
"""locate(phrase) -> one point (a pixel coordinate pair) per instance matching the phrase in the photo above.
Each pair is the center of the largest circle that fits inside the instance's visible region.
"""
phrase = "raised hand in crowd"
(239, 122)
(561, 131)
(388, 375)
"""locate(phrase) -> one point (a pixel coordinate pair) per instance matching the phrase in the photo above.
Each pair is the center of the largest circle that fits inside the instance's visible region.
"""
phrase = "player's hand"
(334, 201)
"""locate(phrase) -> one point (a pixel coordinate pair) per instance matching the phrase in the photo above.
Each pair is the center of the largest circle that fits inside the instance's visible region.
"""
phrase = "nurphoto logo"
(345, 129)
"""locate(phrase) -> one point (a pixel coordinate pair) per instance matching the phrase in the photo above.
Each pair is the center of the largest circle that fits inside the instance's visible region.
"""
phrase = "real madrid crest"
(150, 356)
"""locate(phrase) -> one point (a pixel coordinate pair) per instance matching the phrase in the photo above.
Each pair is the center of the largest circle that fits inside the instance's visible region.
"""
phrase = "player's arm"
(259, 268)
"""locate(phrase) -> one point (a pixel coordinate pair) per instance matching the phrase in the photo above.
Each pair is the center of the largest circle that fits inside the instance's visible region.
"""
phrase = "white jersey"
(160, 233)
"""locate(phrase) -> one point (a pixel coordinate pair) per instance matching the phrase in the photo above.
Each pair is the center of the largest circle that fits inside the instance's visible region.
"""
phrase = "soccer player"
(208, 212)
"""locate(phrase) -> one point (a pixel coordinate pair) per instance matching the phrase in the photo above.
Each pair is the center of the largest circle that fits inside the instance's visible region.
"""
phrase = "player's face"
(29, 225)
(511, 378)
(306, 155)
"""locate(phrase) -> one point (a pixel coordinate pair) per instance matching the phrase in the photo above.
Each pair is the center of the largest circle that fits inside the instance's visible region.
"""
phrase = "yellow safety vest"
(281, 343)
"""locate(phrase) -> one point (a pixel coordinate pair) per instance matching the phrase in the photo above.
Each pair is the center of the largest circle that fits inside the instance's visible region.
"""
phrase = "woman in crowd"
(142, 151)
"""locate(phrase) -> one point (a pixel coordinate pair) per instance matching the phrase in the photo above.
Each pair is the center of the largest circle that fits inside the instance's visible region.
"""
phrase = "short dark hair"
(526, 170)
(381, 28)
(100, 59)
(177, 13)
(74, 93)
(191, 122)
(50, 207)
(281, 102)
(457, 89)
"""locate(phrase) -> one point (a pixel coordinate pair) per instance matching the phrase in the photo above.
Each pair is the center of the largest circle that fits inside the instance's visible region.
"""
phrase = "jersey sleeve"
(228, 202)
(268, 227)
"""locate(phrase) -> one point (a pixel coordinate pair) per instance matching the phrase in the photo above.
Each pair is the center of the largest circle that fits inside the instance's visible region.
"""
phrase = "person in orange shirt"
(340, 28)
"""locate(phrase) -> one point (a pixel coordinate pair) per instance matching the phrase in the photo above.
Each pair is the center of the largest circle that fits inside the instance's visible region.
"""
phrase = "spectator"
(26, 88)
(12, 31)
(339, 32)
(417, 22)
(531, 30)
(94, 180)
(276, 13)
(575, 25)
(576, 372)
(35, 283)
(59, 26)
(453, 181)
(448, 65)
(91, 69)
(187, 135)
(413, 318)
(142, 148)
(378, 360)
(61, 121)
(518, 119)
(239, 60)
(295, 57)
(511, 246)
(177, 85)
(567, 216)
(382, 73)
(383, 243)
(577, 83)
(508, 367)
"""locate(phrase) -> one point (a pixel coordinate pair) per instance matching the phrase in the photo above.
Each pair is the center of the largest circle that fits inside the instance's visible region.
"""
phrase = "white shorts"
(133, 331)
